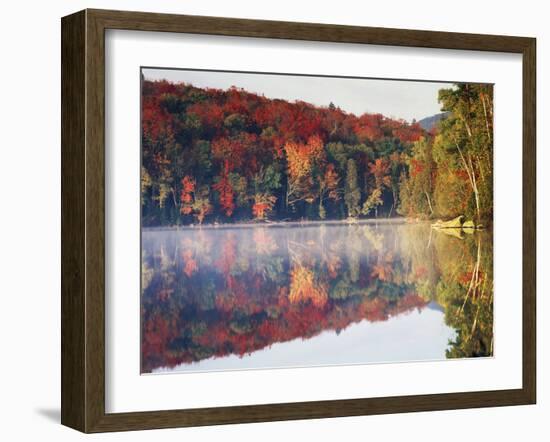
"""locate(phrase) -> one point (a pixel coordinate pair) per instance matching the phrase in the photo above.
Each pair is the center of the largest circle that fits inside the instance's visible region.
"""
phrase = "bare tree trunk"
(321, 208)
(429, 202)
(287, 195)
(476, 191)
(176, 205)
(467, 127)
(471, 176)
(394, 201)
(486, 119)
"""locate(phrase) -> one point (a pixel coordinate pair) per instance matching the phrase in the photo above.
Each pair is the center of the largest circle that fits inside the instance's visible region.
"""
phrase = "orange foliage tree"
(225, 190)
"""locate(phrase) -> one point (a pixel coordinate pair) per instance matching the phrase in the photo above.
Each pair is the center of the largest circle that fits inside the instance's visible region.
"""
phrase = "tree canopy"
(211, 155)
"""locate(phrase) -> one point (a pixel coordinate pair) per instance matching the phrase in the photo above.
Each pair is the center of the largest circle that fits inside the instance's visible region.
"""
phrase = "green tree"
(352, 194)
(465, 142)
(417, 191)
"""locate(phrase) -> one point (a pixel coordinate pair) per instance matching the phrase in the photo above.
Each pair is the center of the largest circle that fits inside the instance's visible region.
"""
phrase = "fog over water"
(325, 294)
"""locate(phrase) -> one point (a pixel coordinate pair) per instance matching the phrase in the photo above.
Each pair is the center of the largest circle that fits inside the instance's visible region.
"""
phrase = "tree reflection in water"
(216, 292)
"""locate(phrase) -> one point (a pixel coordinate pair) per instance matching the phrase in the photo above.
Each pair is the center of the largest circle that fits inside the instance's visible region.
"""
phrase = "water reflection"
(222, 298)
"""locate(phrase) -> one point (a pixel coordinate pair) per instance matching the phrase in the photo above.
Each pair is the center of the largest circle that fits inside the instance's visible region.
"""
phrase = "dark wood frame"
(83, 218)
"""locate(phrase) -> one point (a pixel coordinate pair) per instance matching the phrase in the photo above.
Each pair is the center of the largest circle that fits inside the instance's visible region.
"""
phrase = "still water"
(226, 298)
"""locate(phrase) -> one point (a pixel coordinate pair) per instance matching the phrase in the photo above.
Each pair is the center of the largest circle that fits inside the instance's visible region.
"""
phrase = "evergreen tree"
(352, 195)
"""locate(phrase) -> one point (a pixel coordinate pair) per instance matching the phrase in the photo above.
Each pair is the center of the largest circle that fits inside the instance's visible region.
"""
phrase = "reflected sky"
(418, 335)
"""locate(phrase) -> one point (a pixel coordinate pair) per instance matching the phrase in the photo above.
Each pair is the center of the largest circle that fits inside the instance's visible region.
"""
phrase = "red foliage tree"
(186, 196)
(225, 190)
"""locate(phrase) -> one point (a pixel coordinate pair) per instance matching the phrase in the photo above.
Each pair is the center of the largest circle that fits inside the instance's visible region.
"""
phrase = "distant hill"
(429, 123)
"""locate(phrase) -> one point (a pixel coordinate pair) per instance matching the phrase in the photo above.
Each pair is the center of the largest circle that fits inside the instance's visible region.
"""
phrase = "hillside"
(225, 156)
(213, 155)
(431, 122)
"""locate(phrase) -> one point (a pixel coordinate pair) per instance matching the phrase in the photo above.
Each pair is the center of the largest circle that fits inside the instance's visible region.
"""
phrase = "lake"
(258, 296)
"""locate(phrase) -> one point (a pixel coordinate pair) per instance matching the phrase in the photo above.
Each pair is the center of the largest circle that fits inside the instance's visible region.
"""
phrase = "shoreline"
(282, 224)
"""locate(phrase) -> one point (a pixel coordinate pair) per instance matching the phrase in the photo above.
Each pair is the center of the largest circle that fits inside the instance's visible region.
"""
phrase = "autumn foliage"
(216, 293)
(211, 155)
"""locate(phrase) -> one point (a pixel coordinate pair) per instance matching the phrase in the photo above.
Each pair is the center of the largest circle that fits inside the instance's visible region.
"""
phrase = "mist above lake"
(325, 294)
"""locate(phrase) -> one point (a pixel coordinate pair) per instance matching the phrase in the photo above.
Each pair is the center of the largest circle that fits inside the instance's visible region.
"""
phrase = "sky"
(406, 100)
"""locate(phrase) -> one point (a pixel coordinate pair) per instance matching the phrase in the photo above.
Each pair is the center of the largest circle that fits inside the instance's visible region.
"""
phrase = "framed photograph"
(269, 220)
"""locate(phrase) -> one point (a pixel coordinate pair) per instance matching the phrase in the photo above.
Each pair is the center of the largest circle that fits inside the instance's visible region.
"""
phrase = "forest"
(224, 156)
